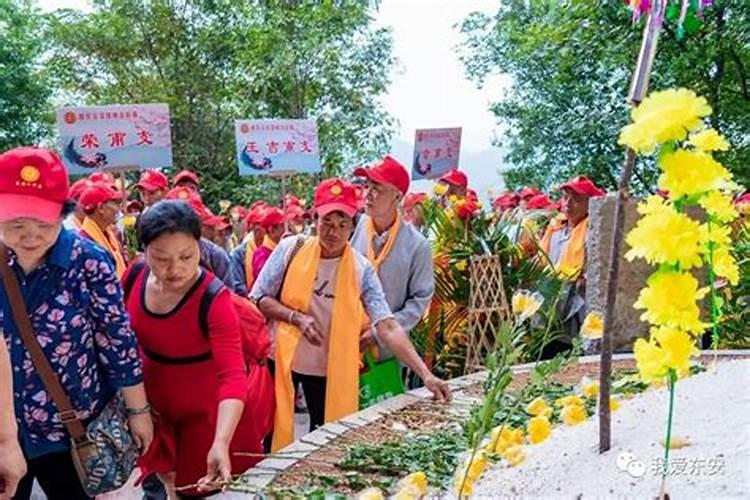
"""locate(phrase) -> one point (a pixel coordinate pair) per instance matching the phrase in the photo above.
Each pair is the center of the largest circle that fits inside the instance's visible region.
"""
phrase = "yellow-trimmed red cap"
(33, 184)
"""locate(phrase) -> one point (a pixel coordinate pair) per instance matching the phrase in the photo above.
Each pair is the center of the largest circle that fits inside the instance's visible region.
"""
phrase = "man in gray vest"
(400, 254)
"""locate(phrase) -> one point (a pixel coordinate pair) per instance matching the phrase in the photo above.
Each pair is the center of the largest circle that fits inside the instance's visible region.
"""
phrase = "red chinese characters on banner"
(117, 139)
(273, 147)
(252, 147)
(289, 147)
(144, 137)
(89, 141)
(306, 147)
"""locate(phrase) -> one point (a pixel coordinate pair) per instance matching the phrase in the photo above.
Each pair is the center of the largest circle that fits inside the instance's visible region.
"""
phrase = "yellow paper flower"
(370, 494)
(664, 116)
(653, 204)
(666, 237)
(593, 326)
(413, 486)
(440, 189)
(687, 173)
(709, 140)
(573, 399)
(525, 304)
(668, 348)
(725, 266)
(671, 299)
(461, 265)
(538, 429)
(539, 408)
(515, 455)
(503, 437)
(614, 404)
(720, 206)
(470, 470)
(574, 414)
(129, 221)
(721, 236)
(589, 388)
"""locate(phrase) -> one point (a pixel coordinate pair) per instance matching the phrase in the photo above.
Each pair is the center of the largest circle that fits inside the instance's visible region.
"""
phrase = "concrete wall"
(632, 275)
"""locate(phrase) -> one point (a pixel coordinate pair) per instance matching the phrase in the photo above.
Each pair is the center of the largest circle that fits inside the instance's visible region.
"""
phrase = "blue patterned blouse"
(75, 302)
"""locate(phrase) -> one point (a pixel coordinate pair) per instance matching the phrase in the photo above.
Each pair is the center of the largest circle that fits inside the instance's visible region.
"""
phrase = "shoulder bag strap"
(68, 416)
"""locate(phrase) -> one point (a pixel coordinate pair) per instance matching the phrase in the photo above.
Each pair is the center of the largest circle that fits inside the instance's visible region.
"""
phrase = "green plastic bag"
(381, 381)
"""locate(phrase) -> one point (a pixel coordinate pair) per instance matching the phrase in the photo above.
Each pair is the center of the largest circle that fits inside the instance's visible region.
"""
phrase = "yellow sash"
(269, 243)
(249, 272)
(106, 240)
(573, 256)
(376, 261)
(342, 372)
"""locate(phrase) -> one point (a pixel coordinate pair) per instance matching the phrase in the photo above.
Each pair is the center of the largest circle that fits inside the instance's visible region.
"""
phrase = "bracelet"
(291, 317)
(132, 412)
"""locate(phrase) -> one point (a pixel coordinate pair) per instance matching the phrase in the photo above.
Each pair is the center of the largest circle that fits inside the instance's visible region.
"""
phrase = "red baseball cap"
(190, 197)
(583, 185)
(102, 178)
(456, 178)
(412, 199)
(98, 194)
(335, 195)
(255, 214)
(153, 180)
(210, 219)
(186, 175)
(292, 201)
(33, 184)
(238, 212)
(295, 212)
(529, 192)
(509, 199)
(77, 188)
(272, 216)
(134, 206)
(540, 202)
(387, 171)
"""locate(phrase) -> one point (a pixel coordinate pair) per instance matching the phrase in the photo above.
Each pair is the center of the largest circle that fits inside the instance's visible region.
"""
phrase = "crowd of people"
(218, 327)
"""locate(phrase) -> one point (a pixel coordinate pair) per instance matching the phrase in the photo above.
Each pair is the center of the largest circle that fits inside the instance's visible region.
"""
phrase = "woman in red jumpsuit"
(196, 382)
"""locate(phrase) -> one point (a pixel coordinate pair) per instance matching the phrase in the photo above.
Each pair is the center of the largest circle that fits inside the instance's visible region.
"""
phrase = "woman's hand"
(142, 430)
(309, 328)
(12, 466)
(219, 467)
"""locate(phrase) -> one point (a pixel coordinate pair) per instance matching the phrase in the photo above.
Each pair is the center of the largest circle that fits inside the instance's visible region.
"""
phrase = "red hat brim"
(327, 208)
(18, 206)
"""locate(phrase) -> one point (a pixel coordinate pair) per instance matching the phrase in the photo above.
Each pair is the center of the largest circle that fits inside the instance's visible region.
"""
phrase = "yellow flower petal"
(687, 173)
(593, 326)
(538, 407)
(675, 443)
(525, 304)
(538, 429)
(709, 140)
(416, 481)
(574, 414)
(573, 399)
(370, 494)
(515, 455)
(671, 298)
(667, 237)
(614, 404)
(662, 117)
(589, 388)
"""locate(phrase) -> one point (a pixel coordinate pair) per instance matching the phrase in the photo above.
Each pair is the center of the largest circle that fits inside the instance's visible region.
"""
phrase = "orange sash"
(376, 261)
(108, 241)
(573, 255)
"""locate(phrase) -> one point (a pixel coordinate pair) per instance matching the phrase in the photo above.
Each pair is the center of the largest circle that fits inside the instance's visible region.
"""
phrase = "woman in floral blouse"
(75, 302)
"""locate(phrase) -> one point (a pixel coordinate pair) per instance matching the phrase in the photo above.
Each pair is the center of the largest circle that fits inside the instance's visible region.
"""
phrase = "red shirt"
(177, 335)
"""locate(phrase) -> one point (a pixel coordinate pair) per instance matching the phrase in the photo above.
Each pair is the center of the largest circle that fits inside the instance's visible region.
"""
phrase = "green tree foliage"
(24, 87)
(214, 61)
(571, 63)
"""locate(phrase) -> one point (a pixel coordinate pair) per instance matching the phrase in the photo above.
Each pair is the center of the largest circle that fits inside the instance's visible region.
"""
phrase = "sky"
(429, 87)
